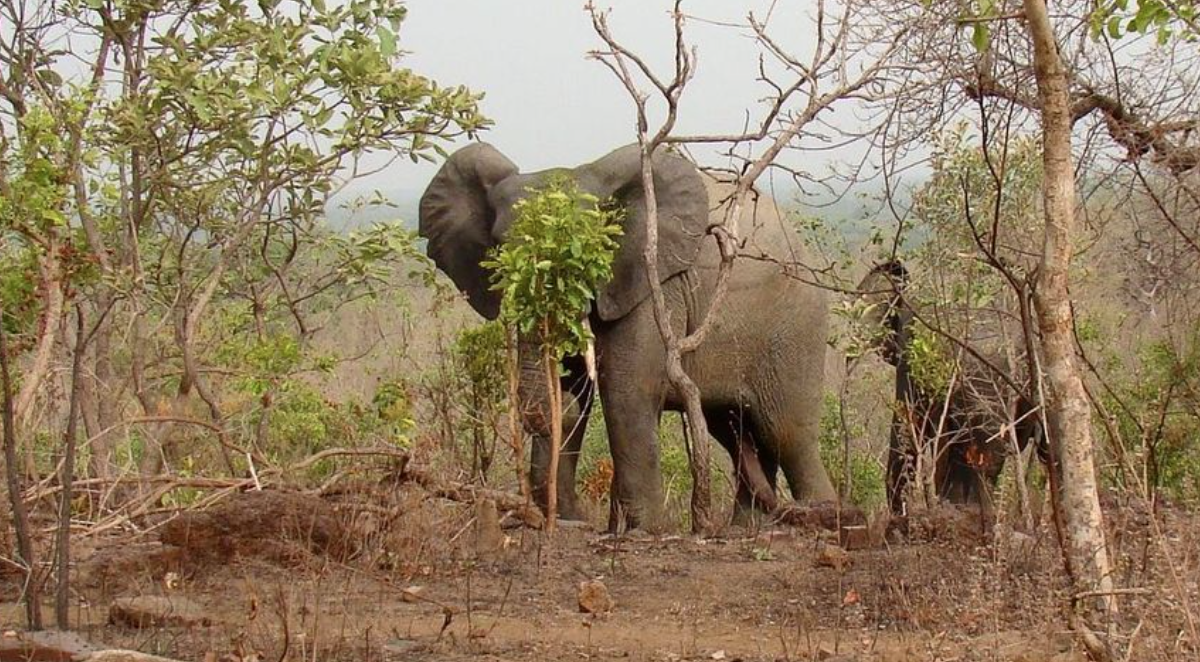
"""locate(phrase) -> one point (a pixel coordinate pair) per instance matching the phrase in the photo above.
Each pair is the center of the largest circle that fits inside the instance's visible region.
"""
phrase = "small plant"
(929, 362)
(560, 250)
(867, 489)
(394, 408)
(1156, 414)
(762, 554)
(479, 355)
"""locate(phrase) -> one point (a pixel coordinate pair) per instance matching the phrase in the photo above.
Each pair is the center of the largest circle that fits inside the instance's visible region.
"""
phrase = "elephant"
(760, 368)
(967, 426)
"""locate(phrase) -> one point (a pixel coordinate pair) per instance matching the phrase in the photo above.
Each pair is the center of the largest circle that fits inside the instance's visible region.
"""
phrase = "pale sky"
(552, 106)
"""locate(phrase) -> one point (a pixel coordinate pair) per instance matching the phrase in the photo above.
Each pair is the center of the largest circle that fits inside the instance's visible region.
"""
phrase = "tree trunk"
(556, 437)
(62, 596)
(516, 434)
(33, 610)
(1066, 408)
(52, 293)
(98, 390)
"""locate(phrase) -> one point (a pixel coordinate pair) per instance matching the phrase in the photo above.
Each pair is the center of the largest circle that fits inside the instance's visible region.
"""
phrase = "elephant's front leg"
(632, 390)
(899, 464)
(636, 496)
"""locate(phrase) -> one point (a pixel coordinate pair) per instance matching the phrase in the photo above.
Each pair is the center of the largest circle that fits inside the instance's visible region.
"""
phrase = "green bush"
(393, 408)
(1156, 410)
(867, 479)
(480, 366)
(560, 249)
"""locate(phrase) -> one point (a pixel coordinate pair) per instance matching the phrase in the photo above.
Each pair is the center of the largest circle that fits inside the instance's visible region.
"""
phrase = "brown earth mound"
(283, 527)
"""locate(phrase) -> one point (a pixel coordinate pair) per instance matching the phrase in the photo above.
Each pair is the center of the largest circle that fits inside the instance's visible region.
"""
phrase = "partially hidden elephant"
(760, 368)
(969, 430)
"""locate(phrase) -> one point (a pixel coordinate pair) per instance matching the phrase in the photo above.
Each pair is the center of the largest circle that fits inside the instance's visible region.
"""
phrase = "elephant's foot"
(567, 504)
(750, 517)
(569, 510)
(624, 517)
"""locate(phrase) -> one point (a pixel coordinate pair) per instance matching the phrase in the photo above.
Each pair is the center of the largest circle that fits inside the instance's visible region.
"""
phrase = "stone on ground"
(594, 597)
(51, 645)
(832, 556)
(489, 537)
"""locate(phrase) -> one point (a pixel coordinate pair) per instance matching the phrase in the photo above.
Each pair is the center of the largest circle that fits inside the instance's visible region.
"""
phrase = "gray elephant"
(966, 425)
(760, 369)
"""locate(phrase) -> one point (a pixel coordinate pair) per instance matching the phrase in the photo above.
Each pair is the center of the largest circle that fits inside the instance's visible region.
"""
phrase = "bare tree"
(1067, 412)
(30, 593)
(798, 98)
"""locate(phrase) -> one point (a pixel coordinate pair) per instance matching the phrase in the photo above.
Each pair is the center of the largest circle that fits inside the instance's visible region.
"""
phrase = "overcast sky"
(554, 106)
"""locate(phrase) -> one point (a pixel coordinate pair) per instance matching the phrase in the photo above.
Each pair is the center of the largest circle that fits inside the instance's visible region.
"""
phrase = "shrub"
(867, 484)
(560, 249)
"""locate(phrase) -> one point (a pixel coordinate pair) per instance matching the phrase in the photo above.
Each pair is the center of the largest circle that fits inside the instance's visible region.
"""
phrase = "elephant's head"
(883, 291)
(467, 210)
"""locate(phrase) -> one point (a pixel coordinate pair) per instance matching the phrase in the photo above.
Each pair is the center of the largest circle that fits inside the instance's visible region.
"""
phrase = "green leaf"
(387, 41)
(981, 36)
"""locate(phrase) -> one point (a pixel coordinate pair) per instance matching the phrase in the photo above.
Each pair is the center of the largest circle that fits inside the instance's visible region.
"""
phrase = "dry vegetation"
(233, 434)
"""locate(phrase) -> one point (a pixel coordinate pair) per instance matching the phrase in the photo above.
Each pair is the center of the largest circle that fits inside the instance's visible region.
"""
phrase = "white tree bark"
(1067, 411)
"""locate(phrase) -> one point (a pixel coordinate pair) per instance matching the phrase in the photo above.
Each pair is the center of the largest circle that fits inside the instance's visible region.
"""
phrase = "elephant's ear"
(457, 220)
(682, 202)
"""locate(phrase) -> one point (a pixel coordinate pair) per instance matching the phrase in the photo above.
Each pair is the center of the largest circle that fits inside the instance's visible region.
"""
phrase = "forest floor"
(410, 577)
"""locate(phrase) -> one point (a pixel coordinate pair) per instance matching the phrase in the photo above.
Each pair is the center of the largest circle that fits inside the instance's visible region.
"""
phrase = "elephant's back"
(772, 258)
(773, 320)
(762, 228)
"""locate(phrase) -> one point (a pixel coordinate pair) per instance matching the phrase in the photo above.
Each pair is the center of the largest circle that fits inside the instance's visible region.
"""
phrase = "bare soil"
(406, 580)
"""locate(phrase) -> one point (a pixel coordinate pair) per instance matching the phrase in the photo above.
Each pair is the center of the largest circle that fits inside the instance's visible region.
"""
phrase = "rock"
(156, 611)
(594, 597)
(855, 537)
(489, 537)
(1015, 543)
(277, 526)
(48, 645)
(412, 594)
(124, 656)
(577, 524)
(832, 556)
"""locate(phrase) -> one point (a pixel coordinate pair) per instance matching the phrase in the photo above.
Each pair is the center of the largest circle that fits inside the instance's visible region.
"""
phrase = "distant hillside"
(348, 211)
(854, 216)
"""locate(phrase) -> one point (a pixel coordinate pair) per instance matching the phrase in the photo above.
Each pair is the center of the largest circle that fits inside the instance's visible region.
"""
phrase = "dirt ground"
(411, 577)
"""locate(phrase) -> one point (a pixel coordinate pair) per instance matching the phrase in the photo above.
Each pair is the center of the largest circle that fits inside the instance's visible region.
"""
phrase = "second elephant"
(760, 370)
(966, 429)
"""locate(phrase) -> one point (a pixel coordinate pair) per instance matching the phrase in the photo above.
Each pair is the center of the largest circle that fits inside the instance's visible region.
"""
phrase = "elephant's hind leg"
(900, 465)
(789, 430)
(754, 471)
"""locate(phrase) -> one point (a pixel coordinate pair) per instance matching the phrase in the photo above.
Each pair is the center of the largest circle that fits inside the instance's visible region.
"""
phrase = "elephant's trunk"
(534, 406)
(533, 396)
(753, 478)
